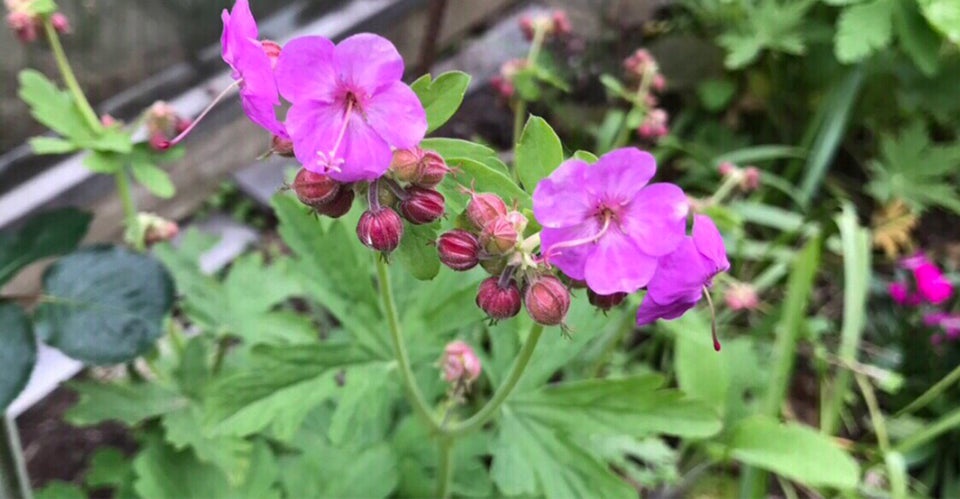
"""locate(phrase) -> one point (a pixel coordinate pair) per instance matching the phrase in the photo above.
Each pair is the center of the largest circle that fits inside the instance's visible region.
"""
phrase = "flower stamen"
(552, 251)
(330, 161)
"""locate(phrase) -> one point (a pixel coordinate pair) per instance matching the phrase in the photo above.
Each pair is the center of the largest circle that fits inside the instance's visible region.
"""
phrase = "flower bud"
(156, 229)
(518, 220)
(24, 26)
(654, 125)
(727, 168)
(315, 189)
(605, 302)
(338, 206)
(405, 164)
(484, 208)
(422, 206)
(547, 300)
(433, 169)
(281, 146)
(380, 229)
(60, 23)
(272, 49)
(158, 141)
(498, 302)
(460, 363)
(499, 237)
(459, 250)
(741, 296)
(561, 23)
(750, 180)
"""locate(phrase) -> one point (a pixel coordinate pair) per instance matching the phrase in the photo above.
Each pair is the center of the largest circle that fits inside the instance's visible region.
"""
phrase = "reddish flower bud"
(727, 168)
(741, 296)
(340, 205)
(108, 121)
(380, 230)
(605, 302)
(315, 189)
(459, 250)
(23, 25)
(460, 363)
(547, 300)
(499, 302)
(659, 83)
(60, 23)
(499, 237)
(281, 146)
(433, 168)
(181, 124)
(422, 206)
(751, 179)
(272, 49)
(484, 208)
(503, 86)
(405, 164)
(561, 23)
(518, 220)
(158, 141)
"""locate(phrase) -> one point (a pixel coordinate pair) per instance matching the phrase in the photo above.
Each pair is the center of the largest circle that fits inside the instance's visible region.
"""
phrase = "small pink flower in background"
(503, 83)
(949, 323)
(932, 285)
(60, 23)
(683, 274)
(460, 363)
(640, 63)
(741, 296)
(252, 68)
(349, 105)
(654, 125)
(23, 26)
(604, 224)
(902, 295)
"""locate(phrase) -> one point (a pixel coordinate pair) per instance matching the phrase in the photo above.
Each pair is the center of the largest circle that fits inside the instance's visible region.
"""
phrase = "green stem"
(445, 470)
(414, 394)
(934, 392)
(223, 345)
(133, 235)
(68, 77)
(493, 405)
(14, 482)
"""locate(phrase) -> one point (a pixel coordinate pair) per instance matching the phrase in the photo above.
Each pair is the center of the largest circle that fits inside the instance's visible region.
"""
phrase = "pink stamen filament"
(330, 160)
(552, 251)
(216, 100)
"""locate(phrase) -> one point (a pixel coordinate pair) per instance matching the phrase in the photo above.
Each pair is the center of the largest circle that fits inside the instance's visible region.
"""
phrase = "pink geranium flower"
(349, 105)
(932, 285)
(683, 275)
(252, 67)
(604, 224)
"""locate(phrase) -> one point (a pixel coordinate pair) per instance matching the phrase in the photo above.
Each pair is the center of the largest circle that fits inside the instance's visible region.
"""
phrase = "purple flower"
(349, 105)
(252, 68)
(604, 225)
(681, 276)
(948, 322)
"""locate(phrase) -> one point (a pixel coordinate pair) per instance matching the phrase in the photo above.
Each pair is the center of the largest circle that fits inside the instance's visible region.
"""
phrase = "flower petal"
(262, 111)
(680, 275)
(616, 265)
(650, 311)
(238, 25)
(620, 174)
(656, 218)
(571, 260)
(313, 126)
(560, 199)
(306, 70)
(709, 243)
(366, 155)
(369, 62)
(397, 115)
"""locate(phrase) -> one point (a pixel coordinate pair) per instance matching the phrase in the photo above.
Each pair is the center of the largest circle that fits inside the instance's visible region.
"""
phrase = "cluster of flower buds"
(163, 123)
(642, 68)
(492, 238)
(503, 82)
(26, 24)
(747, 178)
(554, 23)
(654, 125)
(325, 195)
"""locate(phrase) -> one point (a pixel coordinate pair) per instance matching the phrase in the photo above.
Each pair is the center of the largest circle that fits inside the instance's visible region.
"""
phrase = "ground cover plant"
(729, 286)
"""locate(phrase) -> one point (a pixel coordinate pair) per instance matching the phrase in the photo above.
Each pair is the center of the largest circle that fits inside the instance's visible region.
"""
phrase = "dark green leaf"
(944, 15)
(184, 429)
(104, 304)
(127, 403)
(18, 352)
(108, 468)
(863, 29)
(793, 451)
(441, 97)
(48, 234)
(538, 154)
(60, 490)
(418, 252)
(715, 94)
(917, 38)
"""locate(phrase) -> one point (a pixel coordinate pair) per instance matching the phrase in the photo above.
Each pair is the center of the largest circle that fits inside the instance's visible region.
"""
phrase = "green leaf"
(741, 49)
(586, 156)
(441, 97)
(162, 471)
(18, 352)
(944, 15)
(418, 252)
(108, 468)
(917, 38)
(54, 108)
(864, 29)
(154, 179)
(453, 149)
(184, 429)
(60, 490)
(51, 145)
(326, 471)
(715, 94)
(793, 451)
(105, 305)
(637, 405)
(530, 459)
(538, 154)
(44, 7)
(48, 234)
(365, 388)
(106, 163)
(281, 386)
(124, 402)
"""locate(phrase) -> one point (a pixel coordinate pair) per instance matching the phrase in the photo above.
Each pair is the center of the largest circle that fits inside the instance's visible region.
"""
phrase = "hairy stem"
(414, 395)
(445, 468)
(493, 405)
(68, 77)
